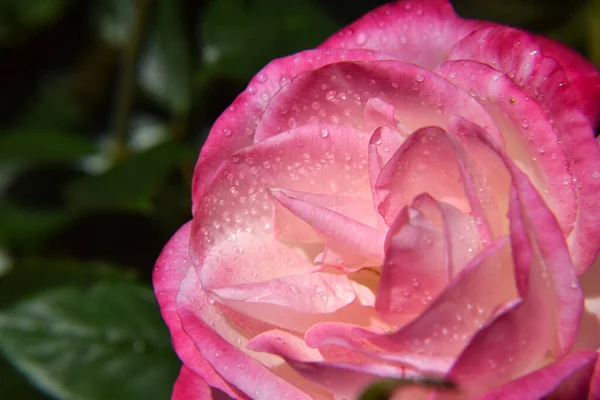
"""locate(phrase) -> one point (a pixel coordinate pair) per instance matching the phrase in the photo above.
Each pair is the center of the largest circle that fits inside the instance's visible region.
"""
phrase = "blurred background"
(104, 105)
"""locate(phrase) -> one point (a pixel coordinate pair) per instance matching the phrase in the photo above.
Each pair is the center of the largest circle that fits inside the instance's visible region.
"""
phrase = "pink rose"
(419, 196)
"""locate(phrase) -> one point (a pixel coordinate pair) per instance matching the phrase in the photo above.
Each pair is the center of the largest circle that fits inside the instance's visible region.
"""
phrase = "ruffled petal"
(171, 267)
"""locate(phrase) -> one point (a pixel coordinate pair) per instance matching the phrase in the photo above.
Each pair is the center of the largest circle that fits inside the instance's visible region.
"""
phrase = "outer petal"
(190, 386)
(582, 74)
(237, 367)
(589, 332)
(519, 55)
(543, 382)
(419, 32)
(235, 128)
(171, 267)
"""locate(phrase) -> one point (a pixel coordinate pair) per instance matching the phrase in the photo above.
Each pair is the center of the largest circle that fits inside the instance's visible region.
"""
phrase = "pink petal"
(595, 382)
(235, 366)
(433, 340)
(518, 340)
(342, 234)
(460, 231)
(234, 129)
(171, 267)
(340, 93)
(189, 385)
(344, 380)
(430, 161)
(582, 74)
(529, 138)
(547, 381)
(316, 293)
(419, 32)
(547, 243)
(589, 331)
(519, 55)
(383, 145)
(415, 267)
(237, 199)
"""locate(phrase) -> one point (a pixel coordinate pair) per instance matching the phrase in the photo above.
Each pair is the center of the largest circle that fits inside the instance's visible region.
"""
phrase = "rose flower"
(416, 198)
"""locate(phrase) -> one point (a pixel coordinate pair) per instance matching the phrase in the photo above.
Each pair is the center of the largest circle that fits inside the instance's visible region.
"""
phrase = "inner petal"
(343, 93)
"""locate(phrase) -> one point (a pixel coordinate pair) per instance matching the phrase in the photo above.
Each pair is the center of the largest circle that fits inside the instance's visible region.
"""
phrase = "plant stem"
(127, 80)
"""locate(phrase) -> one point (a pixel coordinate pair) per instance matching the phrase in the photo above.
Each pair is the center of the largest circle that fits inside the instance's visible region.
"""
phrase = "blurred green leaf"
(18, 16)
(20, 225)
(593, 32)
(129, 185)
(239, 37)
(31, 276)
(43, 145)
(113, 20)
(107, 342)
(166, 67)
(384, 389)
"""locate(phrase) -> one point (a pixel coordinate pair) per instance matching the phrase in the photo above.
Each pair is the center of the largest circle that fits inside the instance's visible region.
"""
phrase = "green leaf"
(43, 145)
(107, 342)
(240, 37)
(17, 17)
(166, 67)
(129, 186)
(113, 20)
(20, 225)
(384, 389)
(28, 277)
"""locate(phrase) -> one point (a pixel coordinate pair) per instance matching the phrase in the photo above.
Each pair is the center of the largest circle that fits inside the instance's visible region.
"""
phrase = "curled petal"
(340, 233)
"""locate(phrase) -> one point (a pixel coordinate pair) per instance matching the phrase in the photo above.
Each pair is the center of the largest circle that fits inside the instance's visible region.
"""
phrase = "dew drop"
(361, 38)
(262, 77)
(324, 133)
